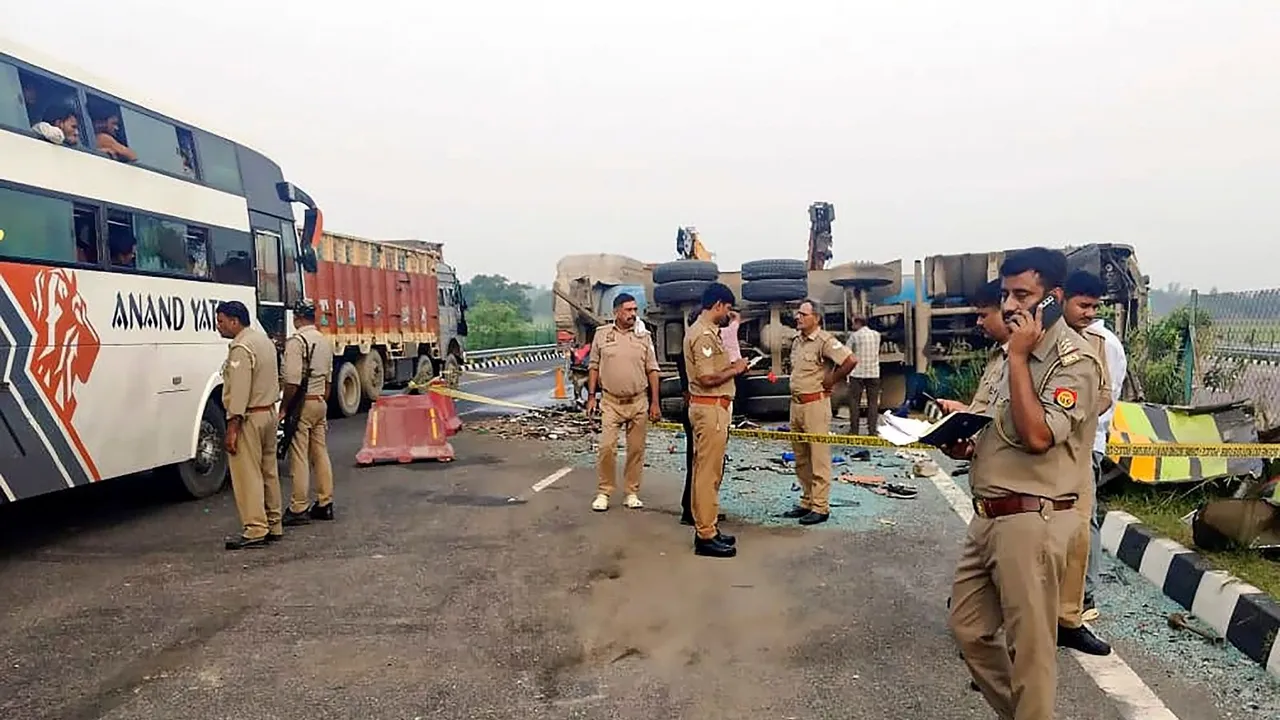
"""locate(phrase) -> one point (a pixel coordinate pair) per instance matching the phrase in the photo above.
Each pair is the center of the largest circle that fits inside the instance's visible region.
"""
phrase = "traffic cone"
(560, 393)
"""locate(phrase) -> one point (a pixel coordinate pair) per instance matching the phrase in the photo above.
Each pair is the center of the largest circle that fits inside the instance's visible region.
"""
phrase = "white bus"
(121, 228)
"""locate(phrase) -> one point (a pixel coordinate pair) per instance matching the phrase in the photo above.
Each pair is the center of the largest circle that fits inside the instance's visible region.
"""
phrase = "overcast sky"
(518, 132)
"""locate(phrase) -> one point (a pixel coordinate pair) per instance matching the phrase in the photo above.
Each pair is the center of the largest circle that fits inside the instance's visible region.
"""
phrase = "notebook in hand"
(954, 427)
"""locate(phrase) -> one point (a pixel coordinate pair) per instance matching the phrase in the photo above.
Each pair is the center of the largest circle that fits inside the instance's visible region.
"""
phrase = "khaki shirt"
(250, 376)
(704, 354)
(808, 360)
(1098, 342)
(623, 359)
(991, 375)
(1065, 371)
(295, 351)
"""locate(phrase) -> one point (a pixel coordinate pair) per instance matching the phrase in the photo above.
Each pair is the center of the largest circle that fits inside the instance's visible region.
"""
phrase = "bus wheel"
(346, 390)
(206, 473)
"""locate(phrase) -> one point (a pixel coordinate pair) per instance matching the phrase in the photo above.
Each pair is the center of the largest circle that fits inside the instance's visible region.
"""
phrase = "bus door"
(271, 306)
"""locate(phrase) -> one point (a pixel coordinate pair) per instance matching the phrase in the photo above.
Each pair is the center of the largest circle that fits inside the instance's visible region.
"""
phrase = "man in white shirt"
(865, 344)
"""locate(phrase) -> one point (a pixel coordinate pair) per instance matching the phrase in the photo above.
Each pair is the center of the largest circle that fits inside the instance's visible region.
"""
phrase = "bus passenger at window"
(59, 125)
(122, 244)
(108, 131)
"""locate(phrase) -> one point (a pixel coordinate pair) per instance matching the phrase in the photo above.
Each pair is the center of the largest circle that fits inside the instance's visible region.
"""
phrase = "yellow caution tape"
(460, 395)
(1210, 450)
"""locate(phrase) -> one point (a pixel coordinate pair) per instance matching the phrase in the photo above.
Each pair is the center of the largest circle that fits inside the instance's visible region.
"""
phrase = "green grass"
(1162, 507)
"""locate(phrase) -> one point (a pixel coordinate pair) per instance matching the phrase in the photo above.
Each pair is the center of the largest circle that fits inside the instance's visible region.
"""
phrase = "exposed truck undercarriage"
(926, 322)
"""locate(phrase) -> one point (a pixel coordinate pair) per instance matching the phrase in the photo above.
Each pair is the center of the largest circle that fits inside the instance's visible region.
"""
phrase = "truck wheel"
(775, 270)
(862, 274)
(680, 292)
(775, 290)
(452, 371)
(372, 375)
(206, 473)
(346, 393)
(682, 270)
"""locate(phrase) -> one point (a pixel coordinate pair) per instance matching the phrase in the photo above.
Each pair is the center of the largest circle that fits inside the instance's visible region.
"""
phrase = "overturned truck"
(926, 322)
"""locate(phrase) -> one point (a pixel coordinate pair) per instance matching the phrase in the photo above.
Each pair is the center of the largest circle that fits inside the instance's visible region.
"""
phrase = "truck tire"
(683, 270)
(782, 269)
(753, 386)
(862, 274)
(775, 290)
(206, 473)
(680, 292)
(372, 376)
(345, 395)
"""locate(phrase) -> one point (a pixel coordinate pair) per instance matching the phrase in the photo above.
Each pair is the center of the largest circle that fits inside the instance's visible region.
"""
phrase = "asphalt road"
(433, 595)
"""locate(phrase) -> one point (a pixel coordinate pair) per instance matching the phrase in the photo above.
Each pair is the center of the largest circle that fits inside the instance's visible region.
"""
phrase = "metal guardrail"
(1245, 352)
(504, 352)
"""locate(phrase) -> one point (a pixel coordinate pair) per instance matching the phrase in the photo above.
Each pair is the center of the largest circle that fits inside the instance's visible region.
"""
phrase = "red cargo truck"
(388, 307)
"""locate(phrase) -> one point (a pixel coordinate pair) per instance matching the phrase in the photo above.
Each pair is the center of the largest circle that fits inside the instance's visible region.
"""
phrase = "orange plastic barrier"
(405, 428)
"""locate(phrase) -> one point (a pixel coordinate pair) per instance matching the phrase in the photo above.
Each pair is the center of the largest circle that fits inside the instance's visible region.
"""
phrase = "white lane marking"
(4, 487)
(1111, 674)
(545, 482)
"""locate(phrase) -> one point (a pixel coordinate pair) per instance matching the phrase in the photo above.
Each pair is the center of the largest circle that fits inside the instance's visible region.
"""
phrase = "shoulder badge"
(706, 352)
(1064, 398)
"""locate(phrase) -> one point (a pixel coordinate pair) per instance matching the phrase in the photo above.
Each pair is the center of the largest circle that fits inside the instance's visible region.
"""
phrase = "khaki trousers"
(633, 415)
(1071, 603)
(255, 476)
(309, 451)
(710, 439)
(1008, 577)
(813, 460)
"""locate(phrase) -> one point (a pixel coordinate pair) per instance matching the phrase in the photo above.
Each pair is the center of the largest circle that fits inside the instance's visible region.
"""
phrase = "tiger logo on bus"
(66, 346)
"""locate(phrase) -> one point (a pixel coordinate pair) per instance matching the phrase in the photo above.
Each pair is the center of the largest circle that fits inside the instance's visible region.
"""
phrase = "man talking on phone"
(1026, 472)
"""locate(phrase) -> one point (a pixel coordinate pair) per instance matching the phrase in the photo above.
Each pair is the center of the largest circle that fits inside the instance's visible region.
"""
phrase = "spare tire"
(683, 270)
(680, 292)
(785, 269)
(775, 290)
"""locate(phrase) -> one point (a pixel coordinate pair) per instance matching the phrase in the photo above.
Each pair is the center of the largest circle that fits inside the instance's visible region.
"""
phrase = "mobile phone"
(1050, 311)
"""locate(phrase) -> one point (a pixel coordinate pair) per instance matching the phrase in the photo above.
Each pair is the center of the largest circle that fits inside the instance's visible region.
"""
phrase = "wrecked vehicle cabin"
(927, 325)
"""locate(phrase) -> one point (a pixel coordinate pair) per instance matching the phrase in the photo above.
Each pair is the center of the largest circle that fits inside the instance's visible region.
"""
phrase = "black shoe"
(293, 519)
(813, 518)
(726, 539)
(240, 542)
(1082, 639)
(713, 548)
(321, 512)
(688, 519)
(796, 512)
(275, 537)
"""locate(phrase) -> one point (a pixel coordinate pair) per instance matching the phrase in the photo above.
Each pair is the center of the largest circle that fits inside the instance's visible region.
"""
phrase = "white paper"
(900, 430)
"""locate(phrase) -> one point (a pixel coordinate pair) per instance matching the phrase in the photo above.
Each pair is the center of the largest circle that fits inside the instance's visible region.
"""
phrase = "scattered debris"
(1178, 621)
(552, 424)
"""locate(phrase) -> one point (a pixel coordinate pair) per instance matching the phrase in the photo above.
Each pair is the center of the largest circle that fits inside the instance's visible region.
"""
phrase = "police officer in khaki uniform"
(309, 450)
(624, 363)
(250, 388)
(991, 322)
(1025, 473)
(711, 391)
(811, 381)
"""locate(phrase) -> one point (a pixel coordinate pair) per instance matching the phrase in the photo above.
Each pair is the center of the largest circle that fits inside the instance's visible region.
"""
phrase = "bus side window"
(36, 227)
(154, 142)
(268, 254)
(231, 255)
(14, 99)
(218, 164)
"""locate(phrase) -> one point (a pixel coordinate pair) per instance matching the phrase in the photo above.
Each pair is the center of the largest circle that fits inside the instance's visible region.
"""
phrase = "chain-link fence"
(1215, 347)
(479, 338)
